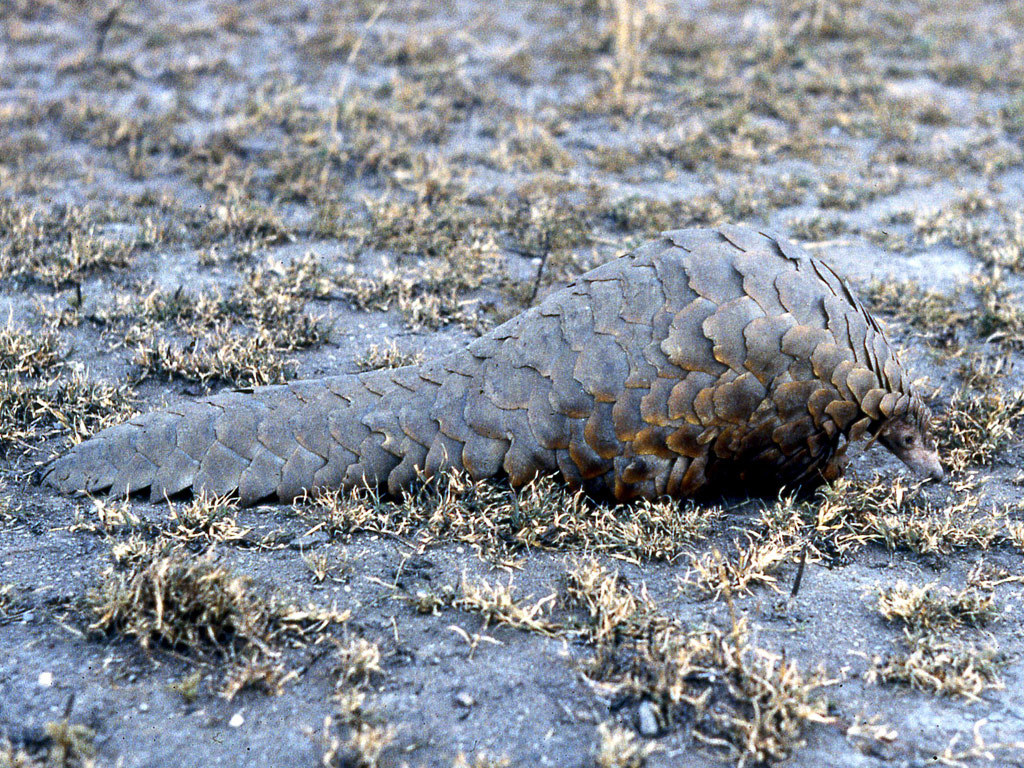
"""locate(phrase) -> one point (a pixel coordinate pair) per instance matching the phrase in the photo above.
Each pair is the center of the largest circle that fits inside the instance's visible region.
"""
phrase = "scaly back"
(707, 361)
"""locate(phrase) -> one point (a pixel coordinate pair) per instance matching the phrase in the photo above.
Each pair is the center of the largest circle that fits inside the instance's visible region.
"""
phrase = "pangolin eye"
(908, 441)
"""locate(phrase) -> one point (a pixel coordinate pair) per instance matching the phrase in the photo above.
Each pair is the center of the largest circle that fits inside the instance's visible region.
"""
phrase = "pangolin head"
(909, 437)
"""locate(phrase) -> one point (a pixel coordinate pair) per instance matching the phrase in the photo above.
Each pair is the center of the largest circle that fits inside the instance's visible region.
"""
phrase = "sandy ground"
(403, 173)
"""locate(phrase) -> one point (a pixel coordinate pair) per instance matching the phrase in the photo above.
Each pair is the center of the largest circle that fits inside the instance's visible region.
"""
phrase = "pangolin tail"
(277, 441)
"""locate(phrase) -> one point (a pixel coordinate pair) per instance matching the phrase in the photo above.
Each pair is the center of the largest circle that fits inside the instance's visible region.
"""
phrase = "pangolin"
(706, 362)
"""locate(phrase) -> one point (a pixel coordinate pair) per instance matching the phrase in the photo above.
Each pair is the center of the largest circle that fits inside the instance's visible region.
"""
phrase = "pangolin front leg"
(704, 362)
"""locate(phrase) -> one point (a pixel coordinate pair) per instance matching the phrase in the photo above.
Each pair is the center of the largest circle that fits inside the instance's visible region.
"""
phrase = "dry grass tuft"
(358, 665)
(424, 302)
(188, 687)
(853, 514)
(498, 604)
(1016, 535)
(826, 19)
(71, 744)
(66, 745)
(253, 670)
(56, 246)
(926, 608)
(933, 659)
(386, 356)
(936, 315)
(740, 698)
(986, 308)
(713, 573)
(751, 703)
(41, 398)
(632, 26)
(243, 338)
(12, 757)
(620, 748)
(961, 756)
(7, 599)
(816, 228)
(25, 352)
(71, 406)
(942, 666)
(161, 595)
(613, 611)
(494, 518)
(977, 425)
(986, 576)
(363, 748)
(206, 520)
(446, 250)
(220, 355)
(181, 602)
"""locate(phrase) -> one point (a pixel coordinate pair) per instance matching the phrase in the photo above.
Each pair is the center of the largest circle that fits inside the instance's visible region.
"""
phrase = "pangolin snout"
(925, 462)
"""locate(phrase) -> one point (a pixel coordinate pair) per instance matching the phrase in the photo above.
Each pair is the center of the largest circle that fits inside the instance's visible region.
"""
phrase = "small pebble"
(463, 699)
(143, 707)
(46, 679)
(236, 720)
(648, 719)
